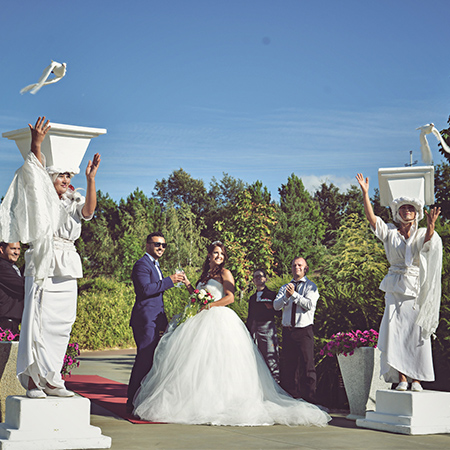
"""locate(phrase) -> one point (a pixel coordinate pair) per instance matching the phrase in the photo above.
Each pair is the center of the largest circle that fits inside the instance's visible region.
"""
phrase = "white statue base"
(49, 423)
(426, 412)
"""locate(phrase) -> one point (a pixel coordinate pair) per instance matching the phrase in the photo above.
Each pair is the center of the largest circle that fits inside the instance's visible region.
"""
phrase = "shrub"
(103, 315)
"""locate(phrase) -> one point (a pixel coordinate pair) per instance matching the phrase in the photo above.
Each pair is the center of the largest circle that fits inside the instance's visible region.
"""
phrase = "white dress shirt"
(305, 300)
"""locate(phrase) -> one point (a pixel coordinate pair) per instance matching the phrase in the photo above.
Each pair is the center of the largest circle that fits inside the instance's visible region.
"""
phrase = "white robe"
(33, 213)
(413, 291)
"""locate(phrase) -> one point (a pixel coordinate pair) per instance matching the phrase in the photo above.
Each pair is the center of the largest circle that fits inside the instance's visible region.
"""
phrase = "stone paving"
(340, 434)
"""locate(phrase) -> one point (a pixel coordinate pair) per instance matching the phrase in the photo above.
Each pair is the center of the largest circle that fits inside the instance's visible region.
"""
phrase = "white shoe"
(35, 393)
(416, 386)
(58, 392)
(402, 386)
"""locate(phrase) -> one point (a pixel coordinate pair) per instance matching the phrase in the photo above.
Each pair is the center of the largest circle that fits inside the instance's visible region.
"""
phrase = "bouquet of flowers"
(199, 299)
(70, 359)
(7, 335)
(346, 343)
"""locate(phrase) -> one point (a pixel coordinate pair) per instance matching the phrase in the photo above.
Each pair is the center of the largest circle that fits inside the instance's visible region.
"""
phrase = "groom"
(148, 318)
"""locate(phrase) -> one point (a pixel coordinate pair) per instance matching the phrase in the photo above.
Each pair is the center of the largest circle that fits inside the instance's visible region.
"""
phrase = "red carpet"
(109, 394)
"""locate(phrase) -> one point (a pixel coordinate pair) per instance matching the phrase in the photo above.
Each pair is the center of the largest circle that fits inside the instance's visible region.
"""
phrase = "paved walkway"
(340, 434)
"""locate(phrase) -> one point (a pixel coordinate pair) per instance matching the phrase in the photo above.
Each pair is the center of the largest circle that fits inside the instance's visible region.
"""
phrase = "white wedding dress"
(209, 371)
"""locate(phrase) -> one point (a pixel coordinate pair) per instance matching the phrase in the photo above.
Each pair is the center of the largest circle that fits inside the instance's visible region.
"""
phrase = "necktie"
(17, 270)
(158, 269)
(294, 305)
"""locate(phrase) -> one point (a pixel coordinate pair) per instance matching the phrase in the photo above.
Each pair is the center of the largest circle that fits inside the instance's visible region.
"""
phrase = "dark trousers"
(146, 341)
(298, 352)
(264, 333)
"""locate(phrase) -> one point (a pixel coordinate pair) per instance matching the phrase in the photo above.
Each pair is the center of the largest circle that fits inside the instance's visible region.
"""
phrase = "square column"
(50, 423)
(408, 412)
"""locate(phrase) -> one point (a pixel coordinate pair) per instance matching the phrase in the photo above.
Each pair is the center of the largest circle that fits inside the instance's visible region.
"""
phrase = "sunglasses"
(159, 244)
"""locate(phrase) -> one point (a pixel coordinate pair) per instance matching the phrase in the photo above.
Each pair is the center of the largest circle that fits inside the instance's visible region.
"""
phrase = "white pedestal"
(426, 412)
(50, 423)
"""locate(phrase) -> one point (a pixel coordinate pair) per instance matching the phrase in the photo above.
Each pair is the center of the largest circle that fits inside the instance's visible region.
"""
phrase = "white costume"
(33, 213)
(209, 371)
(413, 292)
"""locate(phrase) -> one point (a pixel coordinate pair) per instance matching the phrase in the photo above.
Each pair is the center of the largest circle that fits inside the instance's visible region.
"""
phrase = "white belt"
(404, 270)
(63, 244)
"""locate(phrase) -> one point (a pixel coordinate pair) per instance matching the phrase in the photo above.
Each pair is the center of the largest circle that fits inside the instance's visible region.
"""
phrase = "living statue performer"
(43, 209)
(412, 289)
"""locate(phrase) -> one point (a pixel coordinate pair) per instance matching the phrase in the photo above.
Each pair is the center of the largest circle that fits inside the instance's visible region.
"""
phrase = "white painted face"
(62, 183)
(407, 212)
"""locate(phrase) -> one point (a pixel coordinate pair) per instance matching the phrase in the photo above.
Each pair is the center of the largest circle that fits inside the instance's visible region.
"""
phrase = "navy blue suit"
(148, 318)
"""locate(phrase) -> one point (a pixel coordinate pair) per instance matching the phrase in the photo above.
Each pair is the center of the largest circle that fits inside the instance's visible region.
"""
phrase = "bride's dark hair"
(206, 273)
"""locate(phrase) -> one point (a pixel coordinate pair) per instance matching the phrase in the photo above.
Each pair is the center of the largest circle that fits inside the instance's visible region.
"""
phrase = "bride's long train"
(208, 371)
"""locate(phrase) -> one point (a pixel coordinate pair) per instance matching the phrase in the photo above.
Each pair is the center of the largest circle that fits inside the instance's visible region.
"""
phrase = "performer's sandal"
(58, 392)
(36, 393)
(416, 386)
(402, 386)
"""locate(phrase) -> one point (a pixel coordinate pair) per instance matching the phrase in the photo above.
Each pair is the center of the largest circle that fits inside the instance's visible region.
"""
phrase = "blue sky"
(258, 89)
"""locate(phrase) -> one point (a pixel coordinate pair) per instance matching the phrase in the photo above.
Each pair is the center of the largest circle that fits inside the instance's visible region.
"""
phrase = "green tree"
(247, 237)
(445, 133)
(138, 216)
(442, 188)
(187, 248)
(180, 187)
(349, 295)
(222, 197)
(331, 204)
(98, 242)
(300, 226)
(353, 202)
(350, 280)
(380, 211)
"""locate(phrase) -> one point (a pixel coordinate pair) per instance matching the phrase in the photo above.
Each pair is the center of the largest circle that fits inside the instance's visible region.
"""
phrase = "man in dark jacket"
(11, 287)
(261, 322)
(148, 318)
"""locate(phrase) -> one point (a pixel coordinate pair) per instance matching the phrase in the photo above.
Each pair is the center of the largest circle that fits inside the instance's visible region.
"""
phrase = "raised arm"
(367, 205)
(38, 133)
(431, 221)
(91, 193)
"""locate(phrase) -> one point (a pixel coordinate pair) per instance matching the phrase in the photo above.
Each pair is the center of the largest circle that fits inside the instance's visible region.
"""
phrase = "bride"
(208, 370)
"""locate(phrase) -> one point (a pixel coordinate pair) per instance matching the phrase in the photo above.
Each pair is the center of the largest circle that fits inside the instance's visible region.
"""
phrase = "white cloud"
(312, 182)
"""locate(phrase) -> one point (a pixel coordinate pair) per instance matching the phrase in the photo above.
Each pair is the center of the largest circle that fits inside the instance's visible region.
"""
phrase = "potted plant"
(70, 359)
(359, 362)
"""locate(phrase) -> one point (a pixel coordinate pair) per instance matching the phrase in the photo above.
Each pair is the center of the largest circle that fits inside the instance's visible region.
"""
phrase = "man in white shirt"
(298, 300)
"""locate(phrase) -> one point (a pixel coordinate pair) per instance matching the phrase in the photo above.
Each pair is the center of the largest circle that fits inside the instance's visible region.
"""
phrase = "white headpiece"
(398, 202)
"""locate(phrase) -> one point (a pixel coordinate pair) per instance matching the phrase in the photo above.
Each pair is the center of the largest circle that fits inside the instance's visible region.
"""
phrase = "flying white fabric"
(58, 69)
(426, 152)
